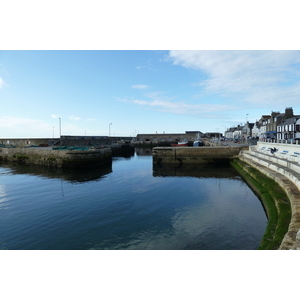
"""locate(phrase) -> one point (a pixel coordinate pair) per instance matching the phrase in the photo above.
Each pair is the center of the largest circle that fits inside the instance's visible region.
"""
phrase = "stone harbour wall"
(56, 158)
(194, 155)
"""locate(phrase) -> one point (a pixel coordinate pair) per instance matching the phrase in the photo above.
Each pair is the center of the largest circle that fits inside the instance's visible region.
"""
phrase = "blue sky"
(142, 91)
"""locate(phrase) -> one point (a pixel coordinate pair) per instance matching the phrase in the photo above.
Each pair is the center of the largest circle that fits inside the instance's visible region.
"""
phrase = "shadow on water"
(75, 175)
(198, 171)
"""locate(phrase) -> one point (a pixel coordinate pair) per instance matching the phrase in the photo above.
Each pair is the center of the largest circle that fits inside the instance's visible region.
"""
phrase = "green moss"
(20, 156)
(274, 200)
(51, 158)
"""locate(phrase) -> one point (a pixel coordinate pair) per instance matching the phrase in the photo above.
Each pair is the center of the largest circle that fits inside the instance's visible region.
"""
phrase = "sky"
(126, 92)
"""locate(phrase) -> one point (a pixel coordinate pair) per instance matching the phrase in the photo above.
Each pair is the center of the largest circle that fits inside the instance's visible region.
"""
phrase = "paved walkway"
(285, 170)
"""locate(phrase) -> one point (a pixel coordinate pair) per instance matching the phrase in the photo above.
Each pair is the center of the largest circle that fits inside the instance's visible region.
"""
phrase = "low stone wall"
(28, 141)
(56, 158)
(194, 155)
(291, 148)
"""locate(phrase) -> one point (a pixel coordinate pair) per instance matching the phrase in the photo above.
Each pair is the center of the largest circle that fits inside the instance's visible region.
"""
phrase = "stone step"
(288, 178)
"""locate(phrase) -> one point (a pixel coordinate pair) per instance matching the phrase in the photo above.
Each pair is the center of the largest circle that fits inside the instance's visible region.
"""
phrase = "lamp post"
(59, 131)
(246, 118)
(53, 132)
(109, 129)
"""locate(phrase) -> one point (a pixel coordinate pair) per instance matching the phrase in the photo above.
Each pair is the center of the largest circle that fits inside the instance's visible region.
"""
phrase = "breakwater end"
(57, 158)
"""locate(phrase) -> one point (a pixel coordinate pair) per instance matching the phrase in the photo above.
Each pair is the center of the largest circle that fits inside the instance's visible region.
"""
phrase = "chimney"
(289, 112)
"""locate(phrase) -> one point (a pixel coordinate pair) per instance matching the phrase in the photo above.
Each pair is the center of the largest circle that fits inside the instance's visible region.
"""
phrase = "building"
(276, 119)
(256, 130)
(263, 127)
(247, 130)
(84, 141)
(168, 138)
(229, 133)
(288, 129)
(237, 134)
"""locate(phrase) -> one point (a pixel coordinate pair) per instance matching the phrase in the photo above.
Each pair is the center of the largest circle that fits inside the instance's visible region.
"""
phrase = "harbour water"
(129, 204)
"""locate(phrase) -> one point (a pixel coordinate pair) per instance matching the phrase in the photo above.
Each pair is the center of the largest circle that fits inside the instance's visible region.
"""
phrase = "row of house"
(278, 126)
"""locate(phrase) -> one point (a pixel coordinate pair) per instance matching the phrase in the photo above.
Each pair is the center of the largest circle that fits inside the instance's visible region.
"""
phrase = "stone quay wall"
(56, 158)
(194, 155)
(25, 142)
(283, 167)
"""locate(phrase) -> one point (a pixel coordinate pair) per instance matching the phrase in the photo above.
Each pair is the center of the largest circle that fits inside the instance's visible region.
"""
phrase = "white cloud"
(182, 108)
(91, 119)
(55, 116)
(273, 76)
(19, 127)
(139, 86)
(12, 126)
(74, 118)
(1, 83)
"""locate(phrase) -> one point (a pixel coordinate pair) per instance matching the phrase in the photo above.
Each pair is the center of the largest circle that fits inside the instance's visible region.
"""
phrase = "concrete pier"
(57, 158)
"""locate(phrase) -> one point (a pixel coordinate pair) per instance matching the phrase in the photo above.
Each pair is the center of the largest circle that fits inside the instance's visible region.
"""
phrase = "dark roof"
(290, 120)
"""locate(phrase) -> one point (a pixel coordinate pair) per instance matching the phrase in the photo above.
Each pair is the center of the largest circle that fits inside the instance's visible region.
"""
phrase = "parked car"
(295, 140)
(235, 140)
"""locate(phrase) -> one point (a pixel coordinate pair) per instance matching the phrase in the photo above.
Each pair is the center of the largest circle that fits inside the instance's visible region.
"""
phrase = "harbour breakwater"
(57, 158)
(194, 155)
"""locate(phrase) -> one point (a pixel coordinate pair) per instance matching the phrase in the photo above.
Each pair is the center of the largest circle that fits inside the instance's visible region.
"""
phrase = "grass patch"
(274, 200)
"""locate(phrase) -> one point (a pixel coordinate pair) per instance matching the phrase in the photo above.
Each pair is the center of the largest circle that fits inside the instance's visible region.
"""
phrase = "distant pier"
(194, 155)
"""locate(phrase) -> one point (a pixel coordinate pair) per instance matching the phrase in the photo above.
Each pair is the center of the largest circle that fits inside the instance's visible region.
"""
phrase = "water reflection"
(74, 176)
(136, 206)
(198, 171)
(143, 151)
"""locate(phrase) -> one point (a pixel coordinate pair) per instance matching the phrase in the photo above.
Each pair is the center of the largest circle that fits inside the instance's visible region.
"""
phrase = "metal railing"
(275, 141)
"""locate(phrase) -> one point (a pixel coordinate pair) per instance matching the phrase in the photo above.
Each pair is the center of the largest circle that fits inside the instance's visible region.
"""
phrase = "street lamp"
(246, 118)
(59, 127)
(109, 129)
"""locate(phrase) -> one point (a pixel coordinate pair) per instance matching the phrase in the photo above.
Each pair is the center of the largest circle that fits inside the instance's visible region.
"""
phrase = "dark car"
(235, 140)
(295, 141)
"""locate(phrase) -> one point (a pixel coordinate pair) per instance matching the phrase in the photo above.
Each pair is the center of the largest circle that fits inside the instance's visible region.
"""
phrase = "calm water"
(128, 205)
